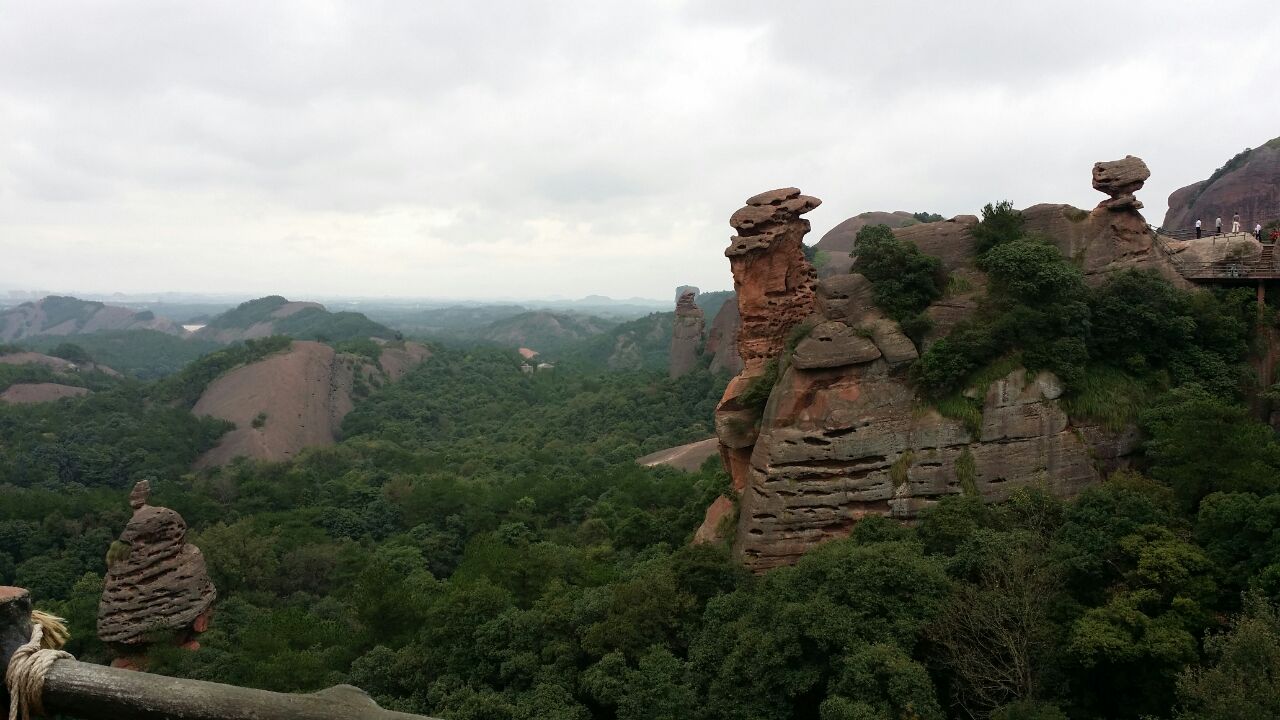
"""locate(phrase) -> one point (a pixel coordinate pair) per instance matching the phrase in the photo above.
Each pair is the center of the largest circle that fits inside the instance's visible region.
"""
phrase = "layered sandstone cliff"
(775, 291)
(843, 434)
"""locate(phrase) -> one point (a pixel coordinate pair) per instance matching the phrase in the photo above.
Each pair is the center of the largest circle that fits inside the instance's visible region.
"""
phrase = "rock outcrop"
(774, 284)
(837, 243)
(843, 435)
(1248, 184)
(1120, 179)
(156, 584)
(295, 399)
(1114, 236)
(57, 315)
(722, 340)
(686, 335)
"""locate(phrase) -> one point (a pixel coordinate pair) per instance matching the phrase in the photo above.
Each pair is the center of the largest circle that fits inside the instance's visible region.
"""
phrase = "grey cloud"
(445, 148)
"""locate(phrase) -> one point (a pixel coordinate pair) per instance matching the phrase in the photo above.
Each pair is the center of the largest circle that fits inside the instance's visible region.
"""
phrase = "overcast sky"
(526, 149)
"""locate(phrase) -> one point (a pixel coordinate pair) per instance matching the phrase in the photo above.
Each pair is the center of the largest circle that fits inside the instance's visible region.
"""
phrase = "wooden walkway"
(1228, 270)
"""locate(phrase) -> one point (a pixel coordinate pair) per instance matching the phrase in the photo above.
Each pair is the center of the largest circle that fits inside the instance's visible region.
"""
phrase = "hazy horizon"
(530, 150)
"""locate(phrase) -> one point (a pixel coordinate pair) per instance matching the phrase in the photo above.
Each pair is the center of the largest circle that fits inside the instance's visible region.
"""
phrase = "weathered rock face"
(837, 243)
(156, 581)
(837, 445)
(686, 335)
(775, 291)
(844, 436)
(1114, 236)
(295, 399)
(773, 280)
(722, 340)
(1249, 185)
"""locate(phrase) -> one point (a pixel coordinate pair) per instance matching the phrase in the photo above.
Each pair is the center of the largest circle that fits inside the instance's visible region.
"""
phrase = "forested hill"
(275, 315)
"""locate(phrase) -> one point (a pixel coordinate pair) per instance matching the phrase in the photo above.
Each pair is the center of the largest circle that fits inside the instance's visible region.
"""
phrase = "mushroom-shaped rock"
(834, 344)
(1120, 179)
(158, 583)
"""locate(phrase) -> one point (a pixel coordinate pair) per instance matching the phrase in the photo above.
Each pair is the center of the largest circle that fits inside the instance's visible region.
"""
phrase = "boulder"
(834, 344)
(156, 582)
(845, 297)
(1120, 179)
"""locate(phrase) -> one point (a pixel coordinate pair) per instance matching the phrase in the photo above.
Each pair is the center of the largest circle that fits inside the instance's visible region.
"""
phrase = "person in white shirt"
(1198, 229)
(1235, 223)
(1217, 226)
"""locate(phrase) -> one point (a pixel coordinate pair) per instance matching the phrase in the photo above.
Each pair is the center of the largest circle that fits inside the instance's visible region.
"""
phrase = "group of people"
(1235, 227)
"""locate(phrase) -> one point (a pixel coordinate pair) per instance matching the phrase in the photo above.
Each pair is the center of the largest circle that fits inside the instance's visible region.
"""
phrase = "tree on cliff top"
(1000, 224)
(904, 280)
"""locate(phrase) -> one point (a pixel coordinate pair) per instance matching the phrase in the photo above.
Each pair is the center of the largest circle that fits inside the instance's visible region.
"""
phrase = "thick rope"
(29, 665)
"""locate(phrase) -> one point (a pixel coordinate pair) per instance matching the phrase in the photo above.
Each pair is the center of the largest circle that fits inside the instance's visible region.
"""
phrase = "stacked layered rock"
(775, 292)
(686, 335)
(157, 587)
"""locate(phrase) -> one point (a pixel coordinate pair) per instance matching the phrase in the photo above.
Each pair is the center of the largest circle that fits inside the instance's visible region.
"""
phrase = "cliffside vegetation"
(904, 280)
(1114, 346)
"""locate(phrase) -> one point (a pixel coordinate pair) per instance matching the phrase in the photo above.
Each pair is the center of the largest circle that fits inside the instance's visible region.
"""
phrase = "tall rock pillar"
(775, 291)
(686, 336)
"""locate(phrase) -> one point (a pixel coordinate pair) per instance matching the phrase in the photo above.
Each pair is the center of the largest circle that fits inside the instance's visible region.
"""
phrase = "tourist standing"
(1217, 226)
(1257, 232)
(1235, 223)
(1198, 228)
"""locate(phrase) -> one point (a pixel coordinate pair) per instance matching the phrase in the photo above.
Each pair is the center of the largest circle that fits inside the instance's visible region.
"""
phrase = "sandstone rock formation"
(156, 583)
(1120, 179)
(1248, 184)
(56, 315)
(686, 335)
(775, 291)
(839, 444)
(843, 435)
(295, 399)
(1114, 236)
(722, 340)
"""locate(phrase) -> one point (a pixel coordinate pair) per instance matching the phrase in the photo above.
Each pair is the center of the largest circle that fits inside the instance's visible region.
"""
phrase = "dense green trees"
(482, 545)
(904, 280)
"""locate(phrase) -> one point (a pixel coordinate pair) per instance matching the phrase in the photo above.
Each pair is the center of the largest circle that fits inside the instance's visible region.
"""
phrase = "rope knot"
(29, 665)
